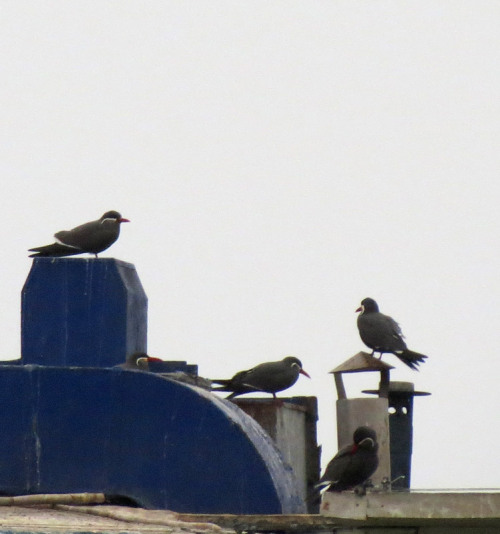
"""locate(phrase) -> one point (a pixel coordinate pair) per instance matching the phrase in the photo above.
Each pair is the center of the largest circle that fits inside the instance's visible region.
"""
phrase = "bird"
(353, 465)
(92, 237)
(138, 360)
(383, 334)
(269, 377)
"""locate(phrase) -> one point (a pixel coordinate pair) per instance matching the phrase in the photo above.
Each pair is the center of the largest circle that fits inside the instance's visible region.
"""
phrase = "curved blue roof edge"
(137, 434)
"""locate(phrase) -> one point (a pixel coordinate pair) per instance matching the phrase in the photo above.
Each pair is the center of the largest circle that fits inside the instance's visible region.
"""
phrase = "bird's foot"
(385, 484)
(361, 489)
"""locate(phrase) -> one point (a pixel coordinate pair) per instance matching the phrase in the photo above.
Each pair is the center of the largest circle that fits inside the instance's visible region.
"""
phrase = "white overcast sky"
(280, 161)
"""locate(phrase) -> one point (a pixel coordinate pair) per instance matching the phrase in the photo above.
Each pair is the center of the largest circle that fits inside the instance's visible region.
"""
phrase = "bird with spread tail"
(92, 237)
(383, 334)
(138, 360)
(269, 377)
(353, 465)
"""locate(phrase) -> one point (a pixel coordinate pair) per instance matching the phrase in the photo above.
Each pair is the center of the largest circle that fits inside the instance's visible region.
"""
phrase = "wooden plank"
(266, 522)
(53, 498)
(373, 510)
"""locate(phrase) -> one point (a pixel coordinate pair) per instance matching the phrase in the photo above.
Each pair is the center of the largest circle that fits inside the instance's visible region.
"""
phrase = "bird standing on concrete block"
(352, 465)
(92, 237)
(269, 377)
(382, 334)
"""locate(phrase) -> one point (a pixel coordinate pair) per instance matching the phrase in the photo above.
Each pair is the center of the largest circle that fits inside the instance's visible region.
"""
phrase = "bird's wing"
(237, 382)
(250, 387)
(79, 236)
(240, 377)
(65, 240)
(380, 331)
(337, 465)
(255, 377)
(396, 329)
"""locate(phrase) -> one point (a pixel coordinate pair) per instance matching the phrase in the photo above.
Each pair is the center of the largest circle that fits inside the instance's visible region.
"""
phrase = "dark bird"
(92, 237)
(382, 334)
(269, 377)
(353, 464)
(138, 360)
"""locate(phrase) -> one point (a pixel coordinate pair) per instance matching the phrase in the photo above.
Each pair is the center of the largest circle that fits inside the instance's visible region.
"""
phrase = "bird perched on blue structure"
(353, 465)
(138, 360)
(92, 237)
(383, 334)
(269, 377)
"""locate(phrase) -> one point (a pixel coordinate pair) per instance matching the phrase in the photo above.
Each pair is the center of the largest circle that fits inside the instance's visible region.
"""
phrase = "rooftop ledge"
(415, 508)
(446, 510)
(431, 512)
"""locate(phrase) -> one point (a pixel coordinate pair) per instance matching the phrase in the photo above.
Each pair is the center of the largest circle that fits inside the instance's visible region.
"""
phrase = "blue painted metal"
(172, 366)
(82, 312)
(136, 434)
(72, 423)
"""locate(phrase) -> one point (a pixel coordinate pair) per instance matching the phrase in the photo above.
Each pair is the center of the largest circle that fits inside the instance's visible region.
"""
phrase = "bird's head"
(368, 305)
(294, 362)
(365, 437)
(113, 217)
(141, 360)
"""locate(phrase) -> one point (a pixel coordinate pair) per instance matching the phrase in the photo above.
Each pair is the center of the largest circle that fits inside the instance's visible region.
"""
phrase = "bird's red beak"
(152, 358)
(360, 309)
(123, 220)
(302, 372)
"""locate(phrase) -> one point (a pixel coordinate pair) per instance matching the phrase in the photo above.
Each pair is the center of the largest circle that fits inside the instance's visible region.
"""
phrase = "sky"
(279, 161)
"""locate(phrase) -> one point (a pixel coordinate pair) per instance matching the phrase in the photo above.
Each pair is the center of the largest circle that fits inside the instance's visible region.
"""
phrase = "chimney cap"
(361, 362)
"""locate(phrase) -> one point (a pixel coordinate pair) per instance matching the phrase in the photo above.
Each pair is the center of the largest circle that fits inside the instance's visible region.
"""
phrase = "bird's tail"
(224, 383)
(410, 358)
(56, 249)
(315, 493)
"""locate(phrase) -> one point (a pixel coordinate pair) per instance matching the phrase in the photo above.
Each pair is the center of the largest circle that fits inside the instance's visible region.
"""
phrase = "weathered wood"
(376, 509)
(285, 522)
(53, 498)
(418, 508)
(139, 515)
(443, 510)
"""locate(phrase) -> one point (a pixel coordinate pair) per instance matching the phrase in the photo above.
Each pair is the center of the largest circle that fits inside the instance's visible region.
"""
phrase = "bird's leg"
(95, 254)
(361, 489)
